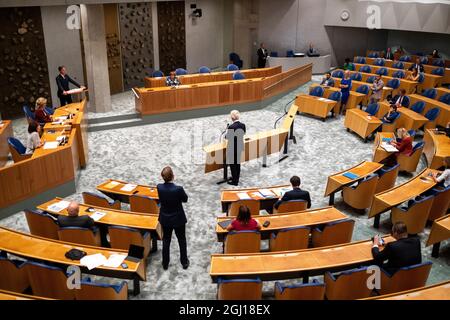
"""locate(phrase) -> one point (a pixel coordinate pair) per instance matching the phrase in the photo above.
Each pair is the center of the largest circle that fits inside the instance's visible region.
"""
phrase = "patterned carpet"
(138, 154)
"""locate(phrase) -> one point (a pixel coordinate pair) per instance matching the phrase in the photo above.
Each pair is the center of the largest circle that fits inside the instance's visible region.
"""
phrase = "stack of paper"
(58, 206)
(266, 192)
(128, 187)
(93, 261)
(51, 145)
(115, 260)
(243, 196)
(97, 215)
(112, 184)
(388, 147)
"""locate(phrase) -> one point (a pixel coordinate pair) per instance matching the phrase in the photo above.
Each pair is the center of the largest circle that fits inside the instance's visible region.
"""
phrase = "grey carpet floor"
(138, 154)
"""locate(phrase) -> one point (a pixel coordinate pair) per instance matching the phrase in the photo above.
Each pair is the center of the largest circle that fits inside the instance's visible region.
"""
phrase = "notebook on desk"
(350, 175)
(224, 224)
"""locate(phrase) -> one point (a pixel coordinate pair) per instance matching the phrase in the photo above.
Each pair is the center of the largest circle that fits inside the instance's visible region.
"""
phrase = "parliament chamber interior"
(224, 150)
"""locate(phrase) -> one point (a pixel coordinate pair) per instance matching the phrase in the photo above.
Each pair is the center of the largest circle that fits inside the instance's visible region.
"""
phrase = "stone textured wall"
(137, 42)
(23, 63)
(171, 35)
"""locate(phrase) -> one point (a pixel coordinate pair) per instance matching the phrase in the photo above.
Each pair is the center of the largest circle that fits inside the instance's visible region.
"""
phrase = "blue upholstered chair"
(372, 109)
(408, 163)
(86, 236)
(337, 74)
(379, 62)
(386, 178)
(98, 200)
(430, 93)
(274, 54)
(247, 241)
(236, 60)
(232, 67)
(14, 275)
(291, 206)
(405, 278)
(438, 72)
(121, 237)
(180, 72)
(294, 238)
(445, 98)
(157, 74)
(238, 76)
(370, 79)
(373, 55)
(432, 114)
(41, 224)
(398, 74)
(364, 89)
(290, 53)
(28, 113)
(356, 76)
(393, 83)
(365, 69)
(335, 96)
(239, 289)
(332, 233)
(300, 291)
(204, 70)
(101, 291)
(441, 202)
(316, 91)
(17, 150)
(347, 285)
(398, 65)
(359, 195)
(412, 133)
(382, 71)
(405, 58)
(360, 60)
(438, 63)
(424, 60)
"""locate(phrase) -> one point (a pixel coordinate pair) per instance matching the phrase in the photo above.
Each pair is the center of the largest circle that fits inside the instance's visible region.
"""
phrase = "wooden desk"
(355, 84)
(379, 153)
(309, 218)
(52, 251)
(444, 114)
(256, 145)
(436, 148)
(388, 199)
(79, 122)
(316, 106)
(441, 91)
(9, 295)
(338, 181)
(292, 264)
(408, 119)
(6, 131)
(361, 122)
(440, 231)
(114, 191)
(438, 291)
(217, 94)
(227, 196)
(213, 76)
(354, 99)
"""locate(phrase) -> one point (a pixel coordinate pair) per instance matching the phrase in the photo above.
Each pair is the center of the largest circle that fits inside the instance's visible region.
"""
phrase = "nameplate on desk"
(128, 187)
(51, 145)
(112, 184)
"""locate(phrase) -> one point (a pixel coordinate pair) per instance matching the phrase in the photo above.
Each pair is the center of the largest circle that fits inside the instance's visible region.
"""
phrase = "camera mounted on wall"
(196, 12)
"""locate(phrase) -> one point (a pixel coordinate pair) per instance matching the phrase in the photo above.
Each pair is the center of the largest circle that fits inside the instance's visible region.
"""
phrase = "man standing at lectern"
(262, 56)
(235, 147)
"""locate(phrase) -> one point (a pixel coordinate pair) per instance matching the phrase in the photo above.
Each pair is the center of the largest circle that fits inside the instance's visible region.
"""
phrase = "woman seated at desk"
(412, 75)
(403, 143)
(391, 115)
(172, 80)
(443, 179)
(244, 221)
(40, 114)
(34, 140)
(377, 89)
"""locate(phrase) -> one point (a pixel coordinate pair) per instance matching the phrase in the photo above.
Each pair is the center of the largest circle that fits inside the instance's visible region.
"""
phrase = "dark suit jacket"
(235, 136)
(262, 55)
(80, 221)
(404, 102)
(295, 194)
(401, 253)
(171, 198)
(63, 83)
(419, 67)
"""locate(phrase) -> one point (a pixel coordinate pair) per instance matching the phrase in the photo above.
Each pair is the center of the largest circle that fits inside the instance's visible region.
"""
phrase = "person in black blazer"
(399, 100)
(172, 216)
(418, 65)
(235, 147)
(295, 194)
(62, 81)
(73, 219)
(403, 252)
(262, 56)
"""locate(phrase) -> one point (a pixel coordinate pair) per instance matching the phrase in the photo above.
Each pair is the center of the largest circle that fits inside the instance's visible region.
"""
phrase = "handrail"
(302, 68)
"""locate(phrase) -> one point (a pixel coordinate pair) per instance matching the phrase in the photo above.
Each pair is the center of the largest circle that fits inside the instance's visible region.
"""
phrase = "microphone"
(223, 132)
(285, 112)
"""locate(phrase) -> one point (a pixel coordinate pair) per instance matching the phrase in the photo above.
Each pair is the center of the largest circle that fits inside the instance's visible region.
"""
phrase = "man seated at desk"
(403, 252)
(399, 100)
(327, 81)
(295, 194)
(73, 219)
(172, 80)
(312, 52)
(418, 66)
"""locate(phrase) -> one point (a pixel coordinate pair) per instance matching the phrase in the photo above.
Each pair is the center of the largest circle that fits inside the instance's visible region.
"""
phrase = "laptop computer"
(135, 253)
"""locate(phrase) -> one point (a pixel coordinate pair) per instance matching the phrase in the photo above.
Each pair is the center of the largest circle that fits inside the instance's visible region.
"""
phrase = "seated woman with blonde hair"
(403, 143)
(40, 114)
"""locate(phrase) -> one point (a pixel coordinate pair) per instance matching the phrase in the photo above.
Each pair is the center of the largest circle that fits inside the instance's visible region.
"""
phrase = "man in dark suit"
(403, 252)
(295, 194)
(235, 147)
(172, 216)
(73, 219)
(418, 65)
(400, 100)
(62, 81)
(262, 56)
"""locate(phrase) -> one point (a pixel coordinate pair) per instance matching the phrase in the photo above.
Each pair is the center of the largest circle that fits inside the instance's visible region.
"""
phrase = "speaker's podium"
(258, 145)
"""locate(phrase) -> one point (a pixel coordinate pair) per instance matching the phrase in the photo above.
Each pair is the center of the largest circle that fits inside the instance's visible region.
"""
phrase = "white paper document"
(51, 145)
(97, 215)
(115, 260)
(243, 196)
(266, 192)
(93, 261)
(58, 206)
(112, 184)
(128, 187)
(388, 147)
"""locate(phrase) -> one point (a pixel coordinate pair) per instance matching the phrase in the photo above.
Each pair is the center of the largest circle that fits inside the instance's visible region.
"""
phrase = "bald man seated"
(73, 219)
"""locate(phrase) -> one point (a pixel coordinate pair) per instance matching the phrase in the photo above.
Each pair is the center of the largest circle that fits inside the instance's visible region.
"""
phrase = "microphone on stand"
(223, 132)
(285, 112)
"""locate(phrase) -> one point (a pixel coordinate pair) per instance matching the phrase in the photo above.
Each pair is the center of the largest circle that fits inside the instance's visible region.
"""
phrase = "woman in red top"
(40, 114)
(403, 143)
(244, 221)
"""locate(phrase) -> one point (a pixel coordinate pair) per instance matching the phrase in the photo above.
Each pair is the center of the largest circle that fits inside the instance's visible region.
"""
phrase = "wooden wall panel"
(113, 52)
(171, 35)
(135, 21)
(23, 61)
